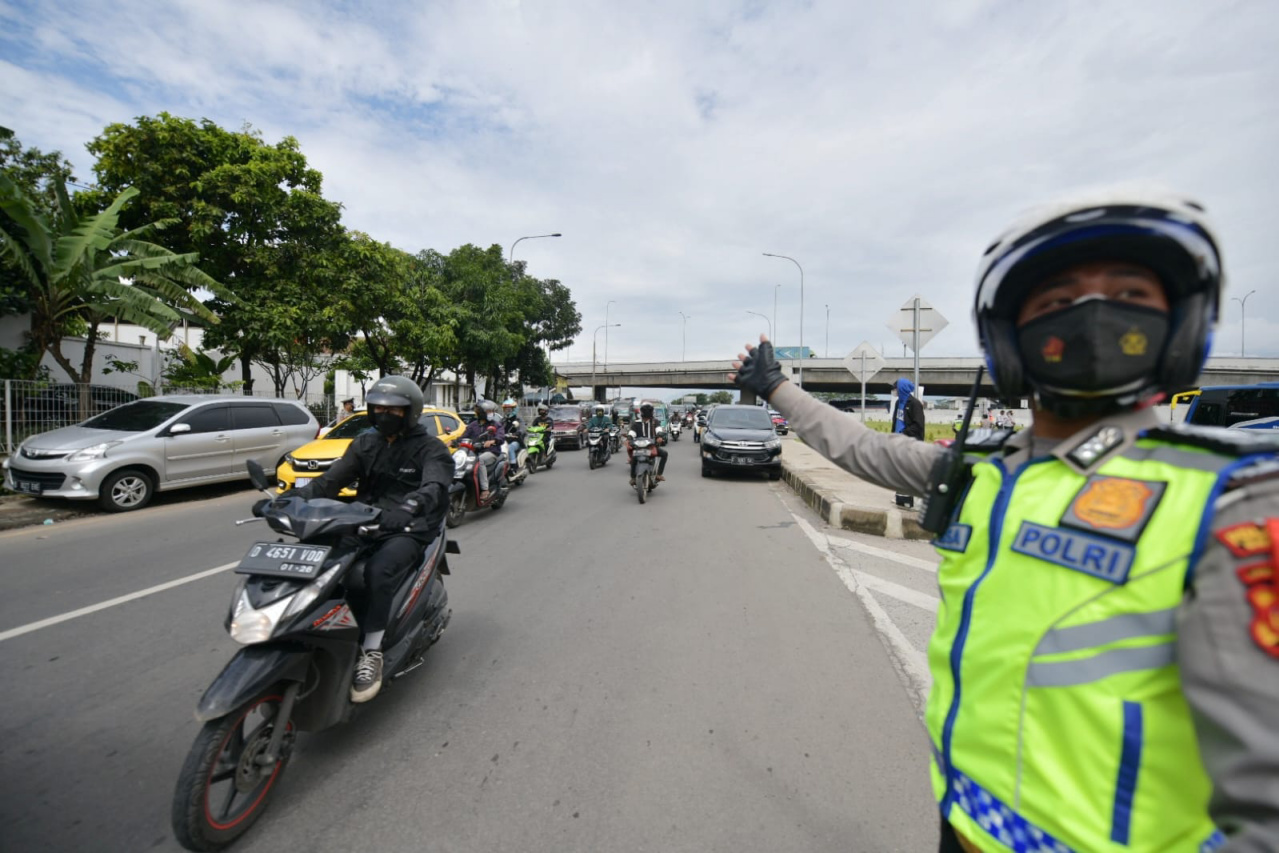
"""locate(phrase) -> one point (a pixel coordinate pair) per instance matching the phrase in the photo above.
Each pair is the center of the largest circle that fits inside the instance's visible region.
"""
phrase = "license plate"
(278, 559)
(299, 481)
(28, 487)
(741, 460)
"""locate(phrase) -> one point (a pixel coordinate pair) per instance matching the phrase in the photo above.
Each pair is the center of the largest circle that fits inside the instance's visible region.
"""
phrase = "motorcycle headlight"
(307, 595)
(249, 626)
(459, 462)
(97, 451)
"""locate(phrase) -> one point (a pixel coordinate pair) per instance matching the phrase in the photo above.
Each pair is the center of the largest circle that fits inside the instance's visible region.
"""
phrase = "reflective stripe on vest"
(1055, 687)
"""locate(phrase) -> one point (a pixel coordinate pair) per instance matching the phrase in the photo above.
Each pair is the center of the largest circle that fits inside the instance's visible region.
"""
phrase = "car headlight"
(773, 443)
(97, 451)
(710, 440)
(288, 457)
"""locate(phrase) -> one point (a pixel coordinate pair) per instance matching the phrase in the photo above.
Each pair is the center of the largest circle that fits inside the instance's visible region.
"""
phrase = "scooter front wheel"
(641, 486)
(457, 509)
(224, 787)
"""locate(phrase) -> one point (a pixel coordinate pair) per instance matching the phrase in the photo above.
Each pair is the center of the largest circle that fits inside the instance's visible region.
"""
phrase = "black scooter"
(597, 443)
(291, 611)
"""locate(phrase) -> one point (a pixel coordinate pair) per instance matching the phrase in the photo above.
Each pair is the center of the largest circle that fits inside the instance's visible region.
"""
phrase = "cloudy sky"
(882, 145)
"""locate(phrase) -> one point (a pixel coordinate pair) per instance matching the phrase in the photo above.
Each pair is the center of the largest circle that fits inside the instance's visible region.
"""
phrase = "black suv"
(741, 438)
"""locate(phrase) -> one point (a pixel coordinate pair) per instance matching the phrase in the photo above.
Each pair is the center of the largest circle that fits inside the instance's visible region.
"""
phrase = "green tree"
(255, 214)
(720, 397)
(35, 173)
(80, 270)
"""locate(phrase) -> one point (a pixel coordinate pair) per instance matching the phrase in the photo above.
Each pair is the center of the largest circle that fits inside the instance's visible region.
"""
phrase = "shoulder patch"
(986, 440)
(1114, 506)
(1231, 442)
(1088, 452)
(1263, 595)
(1247, 539)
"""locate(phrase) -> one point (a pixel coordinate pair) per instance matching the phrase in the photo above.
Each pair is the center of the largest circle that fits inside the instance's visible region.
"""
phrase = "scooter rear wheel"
(222, 790)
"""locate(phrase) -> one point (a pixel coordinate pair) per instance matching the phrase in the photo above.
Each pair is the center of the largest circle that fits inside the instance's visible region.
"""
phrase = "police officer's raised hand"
(758, 369)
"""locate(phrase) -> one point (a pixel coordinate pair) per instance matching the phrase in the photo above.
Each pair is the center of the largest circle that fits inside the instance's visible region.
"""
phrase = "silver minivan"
(124, 456)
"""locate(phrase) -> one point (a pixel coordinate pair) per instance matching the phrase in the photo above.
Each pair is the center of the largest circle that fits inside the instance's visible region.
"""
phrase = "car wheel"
(774, 475)
(126, 490)
(706, 471)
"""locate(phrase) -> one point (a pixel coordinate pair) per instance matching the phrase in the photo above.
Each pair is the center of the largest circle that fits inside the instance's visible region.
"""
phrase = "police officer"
(407, 472)
(1106, 657)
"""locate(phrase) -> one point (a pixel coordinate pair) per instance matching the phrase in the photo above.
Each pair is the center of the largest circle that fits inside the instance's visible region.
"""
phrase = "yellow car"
(311, 460)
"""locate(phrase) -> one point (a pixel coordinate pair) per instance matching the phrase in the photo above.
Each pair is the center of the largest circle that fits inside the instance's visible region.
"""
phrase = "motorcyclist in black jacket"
(406, 471)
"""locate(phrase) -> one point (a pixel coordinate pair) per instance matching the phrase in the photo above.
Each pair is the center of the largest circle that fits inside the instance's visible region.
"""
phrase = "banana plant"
(82, 269)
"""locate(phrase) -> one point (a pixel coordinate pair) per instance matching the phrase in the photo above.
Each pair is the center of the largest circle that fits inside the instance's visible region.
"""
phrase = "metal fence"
(28, 408)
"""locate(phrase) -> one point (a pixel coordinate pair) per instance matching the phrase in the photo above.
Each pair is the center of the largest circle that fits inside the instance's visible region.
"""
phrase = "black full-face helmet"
(646, 410)
(1168, 234)
(397, 391)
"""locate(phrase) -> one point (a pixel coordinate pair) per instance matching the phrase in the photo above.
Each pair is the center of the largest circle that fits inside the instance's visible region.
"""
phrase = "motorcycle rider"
(599, 420)
(513, 428)
(543, 419)
(1093, 527)
(406, 471)
(485, 434)
(646, 427)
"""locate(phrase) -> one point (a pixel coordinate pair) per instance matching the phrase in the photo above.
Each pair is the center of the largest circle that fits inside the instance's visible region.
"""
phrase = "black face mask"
(1093, 346)
(388, 423)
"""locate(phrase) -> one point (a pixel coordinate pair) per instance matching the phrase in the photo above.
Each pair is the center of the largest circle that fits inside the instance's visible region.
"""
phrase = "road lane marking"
(911, 664)
(895, 590)
(103, 605)
(884, 554)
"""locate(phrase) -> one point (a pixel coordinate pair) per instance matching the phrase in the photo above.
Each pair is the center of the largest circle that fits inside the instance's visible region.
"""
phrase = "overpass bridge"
(946, 377)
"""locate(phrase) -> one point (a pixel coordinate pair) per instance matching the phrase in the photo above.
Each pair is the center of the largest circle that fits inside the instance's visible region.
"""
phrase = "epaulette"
(1228, 442)
(986, 440)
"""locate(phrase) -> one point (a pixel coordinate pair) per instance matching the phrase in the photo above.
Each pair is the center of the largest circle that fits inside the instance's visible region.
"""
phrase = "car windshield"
(742, 419)
(351, 427)
(136, 417)
(566, 413)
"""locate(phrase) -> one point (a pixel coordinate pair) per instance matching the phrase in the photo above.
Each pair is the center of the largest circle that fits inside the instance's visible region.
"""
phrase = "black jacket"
(914, 419)
(416, 465)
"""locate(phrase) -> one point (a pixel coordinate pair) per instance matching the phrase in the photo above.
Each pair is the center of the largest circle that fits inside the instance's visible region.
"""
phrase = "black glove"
(395, 519)
(760, 371)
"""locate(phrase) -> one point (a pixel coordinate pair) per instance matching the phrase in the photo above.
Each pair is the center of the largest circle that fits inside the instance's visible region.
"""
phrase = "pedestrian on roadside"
(348, 409)
(1105, 661)
(908, 420)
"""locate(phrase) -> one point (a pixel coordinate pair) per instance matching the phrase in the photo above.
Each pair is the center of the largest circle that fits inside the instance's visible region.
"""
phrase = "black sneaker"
(368, 676)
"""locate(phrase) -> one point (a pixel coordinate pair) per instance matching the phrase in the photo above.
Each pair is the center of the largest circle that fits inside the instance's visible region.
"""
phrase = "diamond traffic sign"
(864, 362)
(930, 322)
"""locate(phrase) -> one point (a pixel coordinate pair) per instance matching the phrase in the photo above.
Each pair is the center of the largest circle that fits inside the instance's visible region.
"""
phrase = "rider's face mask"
(1093, 345)
(388, 423)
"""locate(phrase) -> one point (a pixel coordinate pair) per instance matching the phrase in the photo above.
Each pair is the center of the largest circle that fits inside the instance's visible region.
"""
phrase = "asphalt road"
(702, 673)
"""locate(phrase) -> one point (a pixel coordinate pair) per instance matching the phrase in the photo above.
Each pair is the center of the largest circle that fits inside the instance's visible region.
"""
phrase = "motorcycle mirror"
(257, 476)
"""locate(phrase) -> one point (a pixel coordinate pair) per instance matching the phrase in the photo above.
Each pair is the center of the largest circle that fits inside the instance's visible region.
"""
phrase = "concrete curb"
(875, 521)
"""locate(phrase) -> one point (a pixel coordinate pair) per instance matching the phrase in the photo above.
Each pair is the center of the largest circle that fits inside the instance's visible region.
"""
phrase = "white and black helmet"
(1169, 234)
(397, 391)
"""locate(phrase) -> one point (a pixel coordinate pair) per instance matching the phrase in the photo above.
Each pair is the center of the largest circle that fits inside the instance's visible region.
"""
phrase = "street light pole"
(594, 340)
(683, 353)
(800, 379)
(511, 256)
(1243, 319)
(766, 320)
(776, 287)
(510, 260)
(610, 302)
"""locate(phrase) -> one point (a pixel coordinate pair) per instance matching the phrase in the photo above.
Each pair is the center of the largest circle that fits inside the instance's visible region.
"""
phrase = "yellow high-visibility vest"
(1056, 714)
